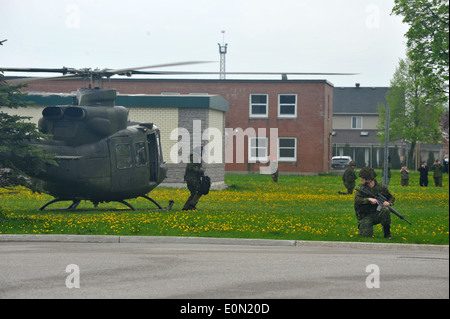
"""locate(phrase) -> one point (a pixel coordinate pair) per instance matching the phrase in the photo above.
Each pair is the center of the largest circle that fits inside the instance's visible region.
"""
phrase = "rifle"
(381, 199)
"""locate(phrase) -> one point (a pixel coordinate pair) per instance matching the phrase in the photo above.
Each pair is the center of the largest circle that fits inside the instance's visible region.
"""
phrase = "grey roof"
(215, 102)
(369, 137)
(358, 100)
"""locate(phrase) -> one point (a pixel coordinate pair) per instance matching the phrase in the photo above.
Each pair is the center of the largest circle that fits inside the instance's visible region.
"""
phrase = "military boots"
(387, 232)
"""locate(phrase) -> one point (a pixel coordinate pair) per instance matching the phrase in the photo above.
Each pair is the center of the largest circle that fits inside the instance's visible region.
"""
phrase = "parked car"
(340, 162)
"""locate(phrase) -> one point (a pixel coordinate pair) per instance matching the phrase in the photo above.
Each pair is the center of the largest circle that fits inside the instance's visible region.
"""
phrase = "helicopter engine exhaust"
(53, 113)
(78, 125)
(75, 113)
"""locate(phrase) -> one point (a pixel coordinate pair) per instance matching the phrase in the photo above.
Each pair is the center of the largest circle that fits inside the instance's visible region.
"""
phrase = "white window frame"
(287, 159)
(356, 118)
(266, 115)
(252, 145)
(288, 116)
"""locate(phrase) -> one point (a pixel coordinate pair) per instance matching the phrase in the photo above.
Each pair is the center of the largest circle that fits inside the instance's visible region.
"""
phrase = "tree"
(347, 150)
(430, 160)
(360, 158)
(415, 111)
(19, 159)
(395, 158)
(444, 125)
(374, 159)
(428, 40)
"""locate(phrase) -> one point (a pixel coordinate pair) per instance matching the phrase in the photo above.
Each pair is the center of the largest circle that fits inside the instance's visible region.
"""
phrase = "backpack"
(205, 185)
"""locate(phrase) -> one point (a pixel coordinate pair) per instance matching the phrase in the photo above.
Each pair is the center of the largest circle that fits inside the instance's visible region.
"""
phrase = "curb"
(366, 245)
(214, 241)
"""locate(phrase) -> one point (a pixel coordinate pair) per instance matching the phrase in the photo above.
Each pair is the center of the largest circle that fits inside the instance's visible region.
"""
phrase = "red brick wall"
(312, 127)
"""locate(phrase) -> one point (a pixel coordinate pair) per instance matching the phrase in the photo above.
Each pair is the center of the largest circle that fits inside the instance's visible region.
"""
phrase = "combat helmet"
(367, 173)
(352, 163)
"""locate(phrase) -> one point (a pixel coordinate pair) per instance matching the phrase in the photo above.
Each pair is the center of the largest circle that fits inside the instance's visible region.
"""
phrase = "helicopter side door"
(153, 152)
(129, 164)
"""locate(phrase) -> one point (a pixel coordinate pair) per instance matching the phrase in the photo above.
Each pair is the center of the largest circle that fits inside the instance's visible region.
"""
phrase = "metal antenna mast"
(223, 52)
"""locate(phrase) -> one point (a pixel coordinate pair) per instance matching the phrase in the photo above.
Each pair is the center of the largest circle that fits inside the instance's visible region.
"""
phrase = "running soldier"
(192, 177)
(349, 178)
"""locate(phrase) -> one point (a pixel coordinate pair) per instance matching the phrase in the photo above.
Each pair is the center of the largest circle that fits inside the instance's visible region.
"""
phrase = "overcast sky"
(356, 36)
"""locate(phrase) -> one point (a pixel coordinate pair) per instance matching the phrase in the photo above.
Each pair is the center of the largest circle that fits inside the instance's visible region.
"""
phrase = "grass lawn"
(297, 207)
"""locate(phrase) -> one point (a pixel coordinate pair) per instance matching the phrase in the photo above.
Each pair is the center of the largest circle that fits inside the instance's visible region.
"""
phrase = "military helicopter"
(101, 156)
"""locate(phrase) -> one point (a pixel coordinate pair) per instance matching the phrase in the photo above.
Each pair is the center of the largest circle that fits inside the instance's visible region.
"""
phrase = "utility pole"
(223, 52)
(386, 146)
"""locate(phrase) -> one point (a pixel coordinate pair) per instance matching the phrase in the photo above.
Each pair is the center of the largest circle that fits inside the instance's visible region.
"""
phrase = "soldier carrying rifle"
(369, 211)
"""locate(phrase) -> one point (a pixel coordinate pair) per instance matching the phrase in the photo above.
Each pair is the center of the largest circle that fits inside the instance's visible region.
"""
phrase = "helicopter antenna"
(223, 52)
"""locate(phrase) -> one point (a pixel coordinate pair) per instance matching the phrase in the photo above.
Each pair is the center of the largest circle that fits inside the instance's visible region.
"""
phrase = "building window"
(287, 105)
(356, 122)
(287, 149)
(259, 106)
(258, 147)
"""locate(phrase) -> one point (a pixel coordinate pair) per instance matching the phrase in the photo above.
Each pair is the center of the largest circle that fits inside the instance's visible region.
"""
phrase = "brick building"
(300, 110)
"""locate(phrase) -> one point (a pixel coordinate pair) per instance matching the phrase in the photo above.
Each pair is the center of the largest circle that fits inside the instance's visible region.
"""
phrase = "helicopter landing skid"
(76, 202)
(171, 202)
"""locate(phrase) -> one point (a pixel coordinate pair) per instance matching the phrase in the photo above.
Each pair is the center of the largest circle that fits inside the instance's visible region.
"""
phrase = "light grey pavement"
(33, 267)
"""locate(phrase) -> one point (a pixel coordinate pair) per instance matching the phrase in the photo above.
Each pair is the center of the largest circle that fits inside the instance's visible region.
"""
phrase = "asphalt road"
(192, 270)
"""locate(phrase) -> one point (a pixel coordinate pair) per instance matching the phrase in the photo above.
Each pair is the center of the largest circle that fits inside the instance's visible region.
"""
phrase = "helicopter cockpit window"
(140, 154)
(123, 156)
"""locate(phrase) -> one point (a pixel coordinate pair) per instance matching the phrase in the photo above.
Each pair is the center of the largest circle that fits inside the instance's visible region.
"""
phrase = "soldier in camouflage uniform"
(438, 170)
(366, 207)
(349, 178)
(192, 177)
(404, 179)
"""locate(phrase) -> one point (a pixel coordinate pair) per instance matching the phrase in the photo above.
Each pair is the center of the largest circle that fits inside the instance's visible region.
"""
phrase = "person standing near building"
(404, 178)
(438, 170)
(366, 206)
(423, 170)
(349, 178)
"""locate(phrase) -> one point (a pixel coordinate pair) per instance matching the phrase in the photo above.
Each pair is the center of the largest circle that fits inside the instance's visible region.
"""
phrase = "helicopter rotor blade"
(97, 73)
(63, 70)
(73, 73)
(238, 73)
(51, 78)
(119, 71)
